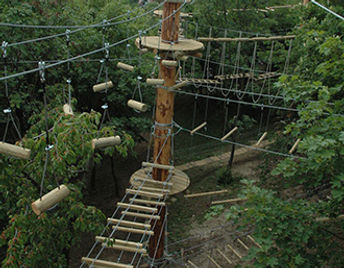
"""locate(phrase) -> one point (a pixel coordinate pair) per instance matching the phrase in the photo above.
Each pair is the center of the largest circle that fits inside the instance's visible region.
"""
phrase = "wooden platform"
(180, 181)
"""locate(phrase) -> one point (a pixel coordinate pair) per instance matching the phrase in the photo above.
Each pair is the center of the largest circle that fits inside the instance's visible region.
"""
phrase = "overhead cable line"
(328, 10)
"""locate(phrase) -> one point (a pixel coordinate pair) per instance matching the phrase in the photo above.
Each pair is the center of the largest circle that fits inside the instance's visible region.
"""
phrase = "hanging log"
(102, 86)
(155, 82)
(67, 109)
(125, 67)
(106, 142)
(149, 202)
(294, 146)
(229, 133)
(138, 105)
(143, 193)
(14, 150)
(140, 215)
(205, 194)
(138, 208)
(169, 63)
(105, 264)
(261, 138)
(50, 199)
(214, 262)
(234, 251)
(154, 181)
(234, 200)
(133, 230)
(198, 128)
(224, 256)
(159, 166)
(129, 223)
(119, 242)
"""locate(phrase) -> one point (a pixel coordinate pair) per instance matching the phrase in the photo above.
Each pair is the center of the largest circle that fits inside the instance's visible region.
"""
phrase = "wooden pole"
(305, 2)
(164, 118)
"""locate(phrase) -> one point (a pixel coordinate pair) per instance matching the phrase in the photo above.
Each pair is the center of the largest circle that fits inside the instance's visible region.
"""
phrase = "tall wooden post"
(163, 121)
(305, 2)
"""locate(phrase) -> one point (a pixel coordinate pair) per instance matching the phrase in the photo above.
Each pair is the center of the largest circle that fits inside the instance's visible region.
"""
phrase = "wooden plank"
(137, 207)
(119, 242)
(149, 202)
(254, 241)
(102, 86)
(261, 138)
(102, 263)
(129, 223)
(143, 193)
(294, 146)
(153, 181)
(228, 201)
(234, 251)
(205, 194)
(192, 264)
(133, 230)
(140, 215)
(15, 151)
(243, 244)
(153, 165)
(224, 256)
(152, 189)
(229, 133)
(198, 128)
(214, 262)
(125, 248)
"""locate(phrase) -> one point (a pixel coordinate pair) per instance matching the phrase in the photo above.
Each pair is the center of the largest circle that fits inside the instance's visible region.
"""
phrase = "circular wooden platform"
(182, 14)
(180, 181)
(184, 45)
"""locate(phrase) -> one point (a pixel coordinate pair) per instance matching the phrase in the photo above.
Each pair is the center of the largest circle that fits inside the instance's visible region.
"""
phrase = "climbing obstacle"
(139, 106)
(102, 86)
(125, 66)
(67, 109)
(14, 151)
(102, 143)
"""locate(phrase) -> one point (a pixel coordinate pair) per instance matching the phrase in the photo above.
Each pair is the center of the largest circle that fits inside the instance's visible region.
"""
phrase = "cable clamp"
(156, 57)
(67, 36)
(105, 23)
(4, 49)
(102, 61)
(49, 147)
(105, 106)
(139, 78)
(7, 111)
(107, 52)
(69, 81)
(41, 66)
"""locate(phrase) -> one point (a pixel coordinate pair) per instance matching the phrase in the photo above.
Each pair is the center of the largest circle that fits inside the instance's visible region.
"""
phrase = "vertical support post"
(305, 2)
(163, 122)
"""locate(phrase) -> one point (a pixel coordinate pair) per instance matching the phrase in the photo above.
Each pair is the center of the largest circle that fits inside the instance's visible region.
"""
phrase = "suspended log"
(50, 199)
(149, 202)
(253, 241)
(159, 166)
(133, 230)
(143, 193)
(156, 82)
(294, 146)
(15, 151)
(224, 256)
(205, 194)
(154, 181)
(234, 251)
(125, 67)
(129, 223)
(234, 200)
(119, 242)
(106, 142)
(138, 208)
(179, 85)
(169, 63)
(67, 109)
(138, 105)
(107, 264)
(198, 128)
(243, 244)
(261, 138)
(102, 86)
(141, 215)
(152, 189)
(229, 133)
(214, 262)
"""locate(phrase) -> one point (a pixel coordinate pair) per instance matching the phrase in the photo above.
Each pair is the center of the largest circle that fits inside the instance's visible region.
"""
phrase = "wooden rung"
(67, 109)
(294, 146)
(143, 193)
(138, 105)
(243, 244)
(228, 201)
(138, 208)
(156, 82)
(179, 85)
(152, 189)
(133, 230)
(125, 248)
(101, 263)
(229, 133)
(15, 151)
(141, 215)
(224, 256)
(129, 223)
(234, 251)
(327, 219)
(106, 142)
(205, 194)
(198, 128)
(149, 202)
(119, 242)
(214, 262)
(254, 241)
(159, 166)
(102, 86)
(125, 67)
(154, 181)
(261, 138)
(50, 199)
(192, 264)
(169, 63)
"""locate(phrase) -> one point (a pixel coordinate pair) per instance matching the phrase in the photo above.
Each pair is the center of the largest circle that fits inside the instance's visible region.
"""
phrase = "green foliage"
(214, 211)
(224, 176)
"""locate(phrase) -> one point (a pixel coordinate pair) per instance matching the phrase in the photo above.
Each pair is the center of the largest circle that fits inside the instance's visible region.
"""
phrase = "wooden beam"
(243, 244)
(15, 151)
(138, 208)
(234, 251)
(107, 264)
(133, 230)
(125, 67)
(228, 201)
(253, 241)
(154, 181)
(129, 223)
(205, 194)
(140, 106)
(158, 166)
(214, 262)
(198, 128)
(261, 138)
(229, 133)
(224, 256)
(140, 215)
(143, 193)
(119, 242)
(106, 142)
(294, 146)
(149, 202)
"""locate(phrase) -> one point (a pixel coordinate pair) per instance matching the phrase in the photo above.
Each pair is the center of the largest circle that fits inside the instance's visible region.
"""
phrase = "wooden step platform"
(133, 230)
(141, 215)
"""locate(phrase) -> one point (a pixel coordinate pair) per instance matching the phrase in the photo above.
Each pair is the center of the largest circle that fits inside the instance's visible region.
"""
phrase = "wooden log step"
(198, 128)
(243, 244)
(154, 181)
(107, 264)
(149, 202)
(253, 241)
(229, 133)
(140, 215)
(234, 251)
(156, 82)
(159, 166)
(67, 109)
(140, 106)
(125, 67)
(15, 151)
(205, 194)
(102, 86)
(224, 256)
(214, 262)
(106, 142)
(133, 230)
(294, 146)
(138, 208)
(143, 193)
(125, 248)
(119, 242)
(153, 189)
(261, 138)
(129, 223)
